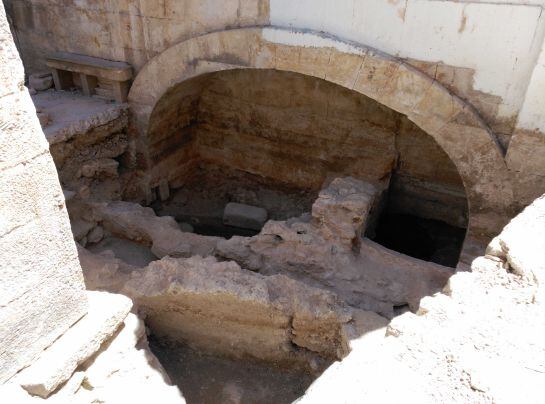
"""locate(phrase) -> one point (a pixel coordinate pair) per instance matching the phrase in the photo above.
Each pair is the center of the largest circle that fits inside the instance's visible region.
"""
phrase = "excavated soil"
(207, 379)
(201, 201)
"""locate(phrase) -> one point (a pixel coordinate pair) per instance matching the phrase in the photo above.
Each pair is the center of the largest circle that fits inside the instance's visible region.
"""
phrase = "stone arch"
(453, 123)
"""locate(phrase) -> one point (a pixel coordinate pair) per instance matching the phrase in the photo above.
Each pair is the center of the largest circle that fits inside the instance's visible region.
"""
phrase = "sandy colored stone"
(134, 222)
(328, 252)
(58, 362)
(219, 307)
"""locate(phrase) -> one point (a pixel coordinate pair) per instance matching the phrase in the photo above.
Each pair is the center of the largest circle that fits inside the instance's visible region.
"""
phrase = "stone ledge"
(57, 363)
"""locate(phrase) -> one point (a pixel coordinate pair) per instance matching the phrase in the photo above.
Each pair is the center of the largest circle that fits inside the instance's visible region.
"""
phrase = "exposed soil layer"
(426, 239)
(205, 379)
(202, 199)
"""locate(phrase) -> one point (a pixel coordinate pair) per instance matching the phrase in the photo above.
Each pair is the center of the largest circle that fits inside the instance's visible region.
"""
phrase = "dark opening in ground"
(207, 379)
(426, 239)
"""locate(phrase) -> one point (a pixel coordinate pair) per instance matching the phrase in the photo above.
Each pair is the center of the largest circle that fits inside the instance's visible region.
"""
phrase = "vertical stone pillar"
(41, 283)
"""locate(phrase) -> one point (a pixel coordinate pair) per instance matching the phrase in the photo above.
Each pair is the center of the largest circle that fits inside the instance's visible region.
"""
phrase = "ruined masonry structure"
(272, 201)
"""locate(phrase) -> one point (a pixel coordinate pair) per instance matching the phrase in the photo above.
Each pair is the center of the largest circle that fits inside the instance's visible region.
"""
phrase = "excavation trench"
(276, 219)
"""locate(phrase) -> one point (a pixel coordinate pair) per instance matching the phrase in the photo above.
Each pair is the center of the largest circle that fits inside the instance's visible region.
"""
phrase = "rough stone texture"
(522, 242)
(40, 81)
(41, 286)
(219, 307)
(122, 369)
(162, 234)
(245, 216)
(57, 363)
(298, 130)
(328, 252)
(454, 124)
(480, 341)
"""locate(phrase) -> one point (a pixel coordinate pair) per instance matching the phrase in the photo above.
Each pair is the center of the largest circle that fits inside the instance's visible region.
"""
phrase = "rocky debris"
(80, 228)
(219, 307)
(122, 370)
(125, 370)
(327, 251)
(100, 167)
(244, 216)
(186, 227)
(134, 222)
(95, 235)
(163, 190)
(103, 271)
(41, 81)
(479, 341)
(58, 362)
(522, 242)
(341, 210)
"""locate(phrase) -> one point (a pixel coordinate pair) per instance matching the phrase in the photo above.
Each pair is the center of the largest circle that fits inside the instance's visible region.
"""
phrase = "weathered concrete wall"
(297, 130)
(41, 285)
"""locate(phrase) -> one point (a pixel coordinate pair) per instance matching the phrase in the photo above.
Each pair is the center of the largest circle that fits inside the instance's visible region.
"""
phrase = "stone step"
(57, 363)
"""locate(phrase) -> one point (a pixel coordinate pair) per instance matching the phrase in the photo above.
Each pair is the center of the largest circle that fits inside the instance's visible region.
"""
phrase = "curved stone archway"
(453, 123)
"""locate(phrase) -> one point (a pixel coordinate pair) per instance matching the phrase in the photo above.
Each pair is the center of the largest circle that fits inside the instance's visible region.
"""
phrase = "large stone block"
(244, 216)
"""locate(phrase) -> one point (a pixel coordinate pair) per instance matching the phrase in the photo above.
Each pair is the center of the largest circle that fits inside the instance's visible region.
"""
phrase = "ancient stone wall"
(41, 285)
(458, 44)
(296, 130)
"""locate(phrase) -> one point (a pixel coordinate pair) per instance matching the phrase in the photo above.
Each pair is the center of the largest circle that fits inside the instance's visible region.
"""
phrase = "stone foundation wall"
(41, 284)
(297, 130)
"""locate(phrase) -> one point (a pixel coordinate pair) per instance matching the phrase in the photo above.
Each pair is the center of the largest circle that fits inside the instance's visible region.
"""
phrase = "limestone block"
(40, 81)
(80, 228)
(11, 69)
(244, 216)
(341, 208)
(21, 134)
(57, 363)
(95, 235)
(375, 74)
(523, 242)
(259, 316)
(101, 167)
(134, 222)
(164, 190)
(344, 71)
(42, 283)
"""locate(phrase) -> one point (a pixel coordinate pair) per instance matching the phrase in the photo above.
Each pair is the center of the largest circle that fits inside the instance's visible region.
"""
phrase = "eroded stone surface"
(327, 252)
(219, 307)
(163, 234)
(57, 363)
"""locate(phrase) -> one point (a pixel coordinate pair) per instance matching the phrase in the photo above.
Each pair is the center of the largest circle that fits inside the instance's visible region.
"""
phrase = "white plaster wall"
(501, 41)
(532, 114)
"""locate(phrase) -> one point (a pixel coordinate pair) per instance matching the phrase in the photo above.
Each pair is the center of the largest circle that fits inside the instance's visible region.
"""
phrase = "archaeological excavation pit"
(272, 139)
(271, 201)
(286, 216)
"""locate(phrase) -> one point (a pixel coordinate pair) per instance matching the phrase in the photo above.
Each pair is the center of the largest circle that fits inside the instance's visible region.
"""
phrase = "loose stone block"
(244, 216)
(57, 363)
(41, 81)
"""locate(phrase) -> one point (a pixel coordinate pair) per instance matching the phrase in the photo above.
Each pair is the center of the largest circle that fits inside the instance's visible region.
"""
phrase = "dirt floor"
(203, 198)
(206, 379)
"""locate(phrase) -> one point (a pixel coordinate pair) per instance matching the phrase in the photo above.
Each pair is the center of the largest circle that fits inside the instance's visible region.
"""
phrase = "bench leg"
(62, 79)
(88, 84)
(120, 90)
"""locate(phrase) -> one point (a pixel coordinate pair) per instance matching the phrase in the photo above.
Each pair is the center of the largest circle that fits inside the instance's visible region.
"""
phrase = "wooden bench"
(104, 78)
